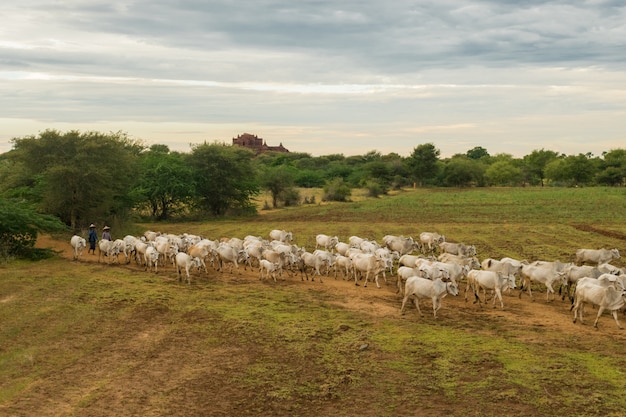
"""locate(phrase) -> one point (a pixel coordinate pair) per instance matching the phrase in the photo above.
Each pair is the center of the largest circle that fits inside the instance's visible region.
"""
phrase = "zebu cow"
(596, 256)
(344, 264)
(151, 257)
(200, 252)
(227, 254)
(369, 264)
(430, 241)
(460, 249)
(315, 262)
(506, 269)
(355, 241)
(404, 272)
(488, 280)
(572, 273)
(411, 260)
(281, 235)
(109, 249)
(546, 273)
(418, 287)
(78, 244)
(472, 261)
(270, 268)
(184, 261)
(341, 248)
(326, 242)
(402, 245)
(601, 292)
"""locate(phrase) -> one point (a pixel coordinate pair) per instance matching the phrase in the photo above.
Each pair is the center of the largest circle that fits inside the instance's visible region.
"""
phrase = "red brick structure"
(257, 144)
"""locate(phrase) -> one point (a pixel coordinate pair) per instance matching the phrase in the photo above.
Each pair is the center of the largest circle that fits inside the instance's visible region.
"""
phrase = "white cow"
(341, 248)
(369, 264)
(404, 272)
(281, 235)
(151, 258)
(78, 244)
(326, 242)
(596, 256)
(328, 257)
(599, 292)
(166, 249)
(402, 245)
(455, 271)
(109, 249)
(140, 251)
(418, 287)
(572, 273)
(460, 249)
(433, 271)
(185, 261)
(315, 262)
(431, 241)
(543, 272)
(471, 261)
(410, 260)
(228, 254)
(355, 241)
(200, 252)
(344, 264)
(488, 280)
(506, 269)
(270, 268)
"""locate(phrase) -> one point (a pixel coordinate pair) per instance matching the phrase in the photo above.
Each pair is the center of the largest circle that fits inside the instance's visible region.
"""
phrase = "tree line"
(82, 177)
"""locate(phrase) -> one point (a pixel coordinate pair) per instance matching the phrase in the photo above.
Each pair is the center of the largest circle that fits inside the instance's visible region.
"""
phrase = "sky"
(321, 77)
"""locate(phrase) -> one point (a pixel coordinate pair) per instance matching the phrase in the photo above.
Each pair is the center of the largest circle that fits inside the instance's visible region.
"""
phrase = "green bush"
(336, 190)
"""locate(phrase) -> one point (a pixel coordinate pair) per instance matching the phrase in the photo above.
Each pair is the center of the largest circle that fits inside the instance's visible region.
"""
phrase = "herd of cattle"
(428, 268)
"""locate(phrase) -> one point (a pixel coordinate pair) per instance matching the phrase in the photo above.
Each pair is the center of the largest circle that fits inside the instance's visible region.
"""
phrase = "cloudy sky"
(320, 76)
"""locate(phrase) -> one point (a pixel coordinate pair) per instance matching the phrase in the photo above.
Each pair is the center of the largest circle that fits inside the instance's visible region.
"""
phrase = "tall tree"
(77, 176)
(165, 181)
(535, 164)
(278, 180)
(224, 177)
(423, 162)
(477, 152)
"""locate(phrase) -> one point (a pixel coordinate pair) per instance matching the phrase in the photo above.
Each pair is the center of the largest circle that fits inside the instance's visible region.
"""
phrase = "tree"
(422, 163)
(462, 171)
(224, 178)
(278, 180)
(165, 181)
(336, 190)
(535, 164)
(77, 176)
(20, 224)
(613, 170)
(504, 173)
(477, 153)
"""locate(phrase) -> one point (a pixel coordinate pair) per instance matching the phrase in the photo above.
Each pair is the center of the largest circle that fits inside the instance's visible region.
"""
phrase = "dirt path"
(521, 312)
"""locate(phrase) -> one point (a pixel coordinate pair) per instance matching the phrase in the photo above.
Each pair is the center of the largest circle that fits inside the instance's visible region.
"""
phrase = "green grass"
(80, 338)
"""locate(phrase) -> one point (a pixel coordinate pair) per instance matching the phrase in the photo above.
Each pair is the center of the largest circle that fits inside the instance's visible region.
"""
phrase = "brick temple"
(257, 144)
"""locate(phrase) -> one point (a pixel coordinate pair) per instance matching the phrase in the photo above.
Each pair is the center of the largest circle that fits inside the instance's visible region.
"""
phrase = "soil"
(381, 303)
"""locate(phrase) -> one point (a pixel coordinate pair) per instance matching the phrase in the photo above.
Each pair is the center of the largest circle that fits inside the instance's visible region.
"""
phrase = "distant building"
(257, 144)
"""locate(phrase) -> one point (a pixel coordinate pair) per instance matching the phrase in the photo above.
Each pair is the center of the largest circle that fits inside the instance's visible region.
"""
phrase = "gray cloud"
(446, 69)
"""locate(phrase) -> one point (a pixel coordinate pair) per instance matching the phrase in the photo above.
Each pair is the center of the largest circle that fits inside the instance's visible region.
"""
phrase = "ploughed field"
(89, 339)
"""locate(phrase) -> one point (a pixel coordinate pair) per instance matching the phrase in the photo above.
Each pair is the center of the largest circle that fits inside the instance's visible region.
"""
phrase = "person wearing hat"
(93, 238)
(106, 235)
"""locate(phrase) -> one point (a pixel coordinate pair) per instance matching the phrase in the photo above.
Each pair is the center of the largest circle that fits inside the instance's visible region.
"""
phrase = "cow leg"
(404, 300)
(436, 306)
(600, 310)
(614, 313)
(416, 301)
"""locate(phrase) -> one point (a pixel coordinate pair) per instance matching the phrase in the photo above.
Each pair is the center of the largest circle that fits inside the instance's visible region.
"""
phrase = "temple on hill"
(257, 144)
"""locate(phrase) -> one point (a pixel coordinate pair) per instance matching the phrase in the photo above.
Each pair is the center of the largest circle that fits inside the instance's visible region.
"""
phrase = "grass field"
(89, 339)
